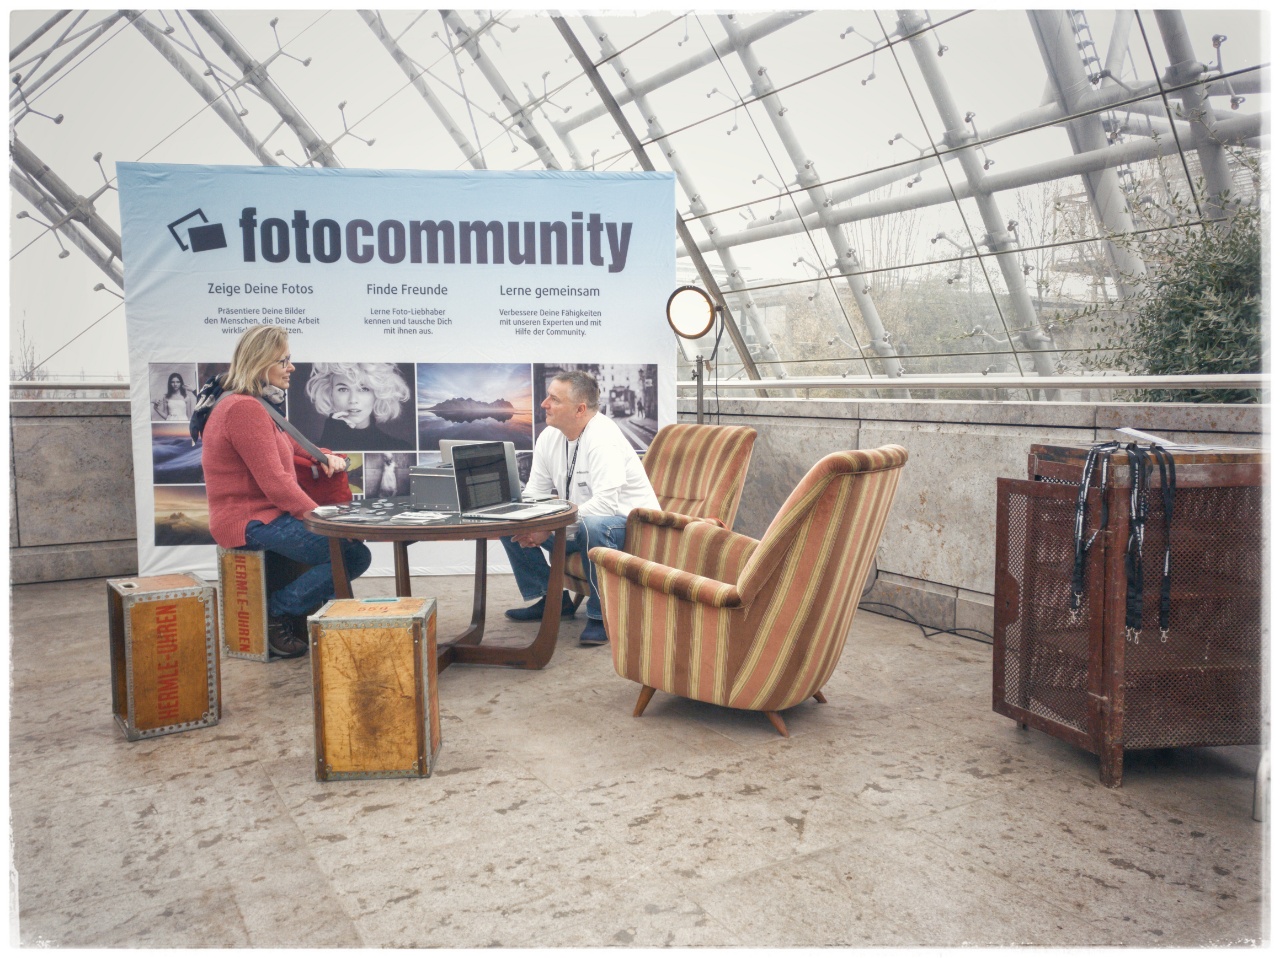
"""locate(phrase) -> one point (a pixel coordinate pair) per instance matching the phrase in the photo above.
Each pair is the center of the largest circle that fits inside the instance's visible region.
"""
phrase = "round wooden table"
(381, 526)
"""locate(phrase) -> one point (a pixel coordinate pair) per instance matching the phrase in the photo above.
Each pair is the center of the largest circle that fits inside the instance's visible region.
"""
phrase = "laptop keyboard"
(503, 510)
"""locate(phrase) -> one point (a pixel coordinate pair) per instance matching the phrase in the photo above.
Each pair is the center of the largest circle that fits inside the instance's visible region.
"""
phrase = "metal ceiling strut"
(70, 214)
(255, 75)
(1057, 40)
(417, 76)
(704, 272)
(215, 98)
(807, 177)
(470, 42)
(657, 134)
(956, 133)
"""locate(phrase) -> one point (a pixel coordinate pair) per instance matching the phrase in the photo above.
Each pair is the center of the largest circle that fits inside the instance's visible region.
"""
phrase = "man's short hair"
(582, 387)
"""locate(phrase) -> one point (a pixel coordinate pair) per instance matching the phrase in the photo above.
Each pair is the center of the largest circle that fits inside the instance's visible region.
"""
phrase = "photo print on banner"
(483, 401)
(628, 396)
(386, 474)
(354, 407)
(181, 513)
(182, 516)
(173, 391)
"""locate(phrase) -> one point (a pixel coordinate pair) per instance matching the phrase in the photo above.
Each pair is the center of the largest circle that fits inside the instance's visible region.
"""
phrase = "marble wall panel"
(942, 527)
(71, 492)
(88, 560)
(73, 479)
(784, 452)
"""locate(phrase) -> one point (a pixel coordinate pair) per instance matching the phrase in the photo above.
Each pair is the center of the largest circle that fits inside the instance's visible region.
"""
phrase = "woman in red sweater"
(254, 496)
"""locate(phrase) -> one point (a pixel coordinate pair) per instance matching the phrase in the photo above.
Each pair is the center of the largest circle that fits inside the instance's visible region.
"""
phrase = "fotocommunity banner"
(420, 306)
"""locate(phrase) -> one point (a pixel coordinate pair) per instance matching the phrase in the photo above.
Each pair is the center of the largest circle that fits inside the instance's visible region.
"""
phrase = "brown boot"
(282, 641)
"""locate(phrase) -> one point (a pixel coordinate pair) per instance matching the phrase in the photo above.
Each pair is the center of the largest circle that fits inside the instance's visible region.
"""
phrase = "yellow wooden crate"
(242, 586)
(164, 654)
(246, 578)
(373, 672)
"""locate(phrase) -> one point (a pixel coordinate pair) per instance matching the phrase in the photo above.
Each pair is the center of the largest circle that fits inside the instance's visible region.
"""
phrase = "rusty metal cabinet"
(1077, 676)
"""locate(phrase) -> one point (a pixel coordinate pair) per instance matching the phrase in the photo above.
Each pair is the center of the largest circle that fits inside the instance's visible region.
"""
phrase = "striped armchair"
(695, 470)
(749, 624)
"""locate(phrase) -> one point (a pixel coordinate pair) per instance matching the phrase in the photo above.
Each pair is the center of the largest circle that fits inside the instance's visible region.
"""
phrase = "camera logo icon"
(202, 236)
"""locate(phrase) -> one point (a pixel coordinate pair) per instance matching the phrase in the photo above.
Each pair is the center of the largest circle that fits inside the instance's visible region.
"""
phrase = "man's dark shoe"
(594, 633)
(282, 641)
(532, 613)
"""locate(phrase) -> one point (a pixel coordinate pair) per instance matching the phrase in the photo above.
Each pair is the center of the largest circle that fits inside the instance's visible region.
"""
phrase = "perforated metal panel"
(1043, 649)
(1202, 684)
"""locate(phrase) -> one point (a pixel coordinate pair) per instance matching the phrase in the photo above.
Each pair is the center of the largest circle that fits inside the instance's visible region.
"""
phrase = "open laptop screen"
(480, 470)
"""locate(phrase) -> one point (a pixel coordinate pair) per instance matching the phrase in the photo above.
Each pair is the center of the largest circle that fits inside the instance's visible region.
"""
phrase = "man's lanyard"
(570, 463)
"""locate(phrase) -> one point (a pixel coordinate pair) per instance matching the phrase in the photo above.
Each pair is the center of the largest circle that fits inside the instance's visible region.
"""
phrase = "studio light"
(691, 313)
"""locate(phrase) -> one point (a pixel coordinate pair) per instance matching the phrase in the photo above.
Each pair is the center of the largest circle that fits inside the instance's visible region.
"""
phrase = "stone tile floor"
(903, 813)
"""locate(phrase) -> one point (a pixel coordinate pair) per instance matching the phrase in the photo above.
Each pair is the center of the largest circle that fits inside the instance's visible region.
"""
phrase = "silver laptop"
(513, 468)
(485, 481)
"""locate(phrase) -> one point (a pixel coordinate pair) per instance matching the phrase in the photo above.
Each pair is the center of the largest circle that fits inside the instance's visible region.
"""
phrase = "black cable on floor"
(927, 634)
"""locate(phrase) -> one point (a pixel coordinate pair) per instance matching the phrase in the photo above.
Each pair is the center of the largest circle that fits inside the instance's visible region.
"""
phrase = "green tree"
(1200, 310)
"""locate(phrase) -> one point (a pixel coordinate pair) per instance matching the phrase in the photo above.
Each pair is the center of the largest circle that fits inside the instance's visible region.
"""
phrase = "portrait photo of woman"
(356, 407)
(173, 391)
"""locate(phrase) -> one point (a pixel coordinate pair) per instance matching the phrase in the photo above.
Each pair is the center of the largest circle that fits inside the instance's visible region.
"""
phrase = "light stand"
(691, 314)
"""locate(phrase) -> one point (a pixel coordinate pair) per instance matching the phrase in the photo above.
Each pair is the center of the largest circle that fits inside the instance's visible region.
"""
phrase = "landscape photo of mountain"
(182, 516)
(483, 401)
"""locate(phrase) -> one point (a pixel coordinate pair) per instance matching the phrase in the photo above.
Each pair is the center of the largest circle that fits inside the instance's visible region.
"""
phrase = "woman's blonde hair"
(259, 347)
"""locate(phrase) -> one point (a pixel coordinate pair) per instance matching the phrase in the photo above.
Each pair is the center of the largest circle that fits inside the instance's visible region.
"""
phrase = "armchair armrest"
(655, 534)
(699, 546)
(662, 578)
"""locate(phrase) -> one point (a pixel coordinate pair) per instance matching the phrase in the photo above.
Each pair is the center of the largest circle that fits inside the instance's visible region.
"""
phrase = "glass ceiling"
(872, 192)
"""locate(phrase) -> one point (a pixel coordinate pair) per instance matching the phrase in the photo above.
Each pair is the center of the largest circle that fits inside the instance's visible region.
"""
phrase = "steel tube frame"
(470, 153)
(1185, 68)
(756, 31)
(807, 177)
(37, 34)
(1056, 39)
(216, 100)
(1090, 101)
(733, 274)
(72, 204)
(606, 97)
(105, 260)
(1241, 130)
(470, 42)
(998, 239)
(255, 75)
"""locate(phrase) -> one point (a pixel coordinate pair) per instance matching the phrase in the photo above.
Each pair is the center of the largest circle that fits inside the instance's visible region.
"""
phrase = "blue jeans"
(533, 572)
(288, 537)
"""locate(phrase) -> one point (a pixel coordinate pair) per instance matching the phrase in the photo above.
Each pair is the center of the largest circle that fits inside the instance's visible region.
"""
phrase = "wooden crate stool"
(164, 654)
(245, 578)
(373, 674)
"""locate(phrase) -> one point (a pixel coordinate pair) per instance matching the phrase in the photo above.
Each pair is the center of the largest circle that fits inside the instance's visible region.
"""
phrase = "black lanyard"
(570, 464)
(1082, 511)
(1140, 465)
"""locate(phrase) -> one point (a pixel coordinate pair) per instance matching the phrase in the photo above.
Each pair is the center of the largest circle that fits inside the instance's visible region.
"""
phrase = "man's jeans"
(288, 537)
(533, 572)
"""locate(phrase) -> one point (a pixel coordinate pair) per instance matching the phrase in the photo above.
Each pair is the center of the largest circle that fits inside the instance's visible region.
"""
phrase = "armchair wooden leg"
(646, 693)
(577, 599)
(822, 699)
(780, 725)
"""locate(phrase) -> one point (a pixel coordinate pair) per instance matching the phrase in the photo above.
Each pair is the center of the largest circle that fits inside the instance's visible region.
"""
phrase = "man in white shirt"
(585, 458)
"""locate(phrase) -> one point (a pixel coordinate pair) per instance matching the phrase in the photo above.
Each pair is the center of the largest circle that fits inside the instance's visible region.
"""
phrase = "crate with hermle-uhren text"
(164, 654)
